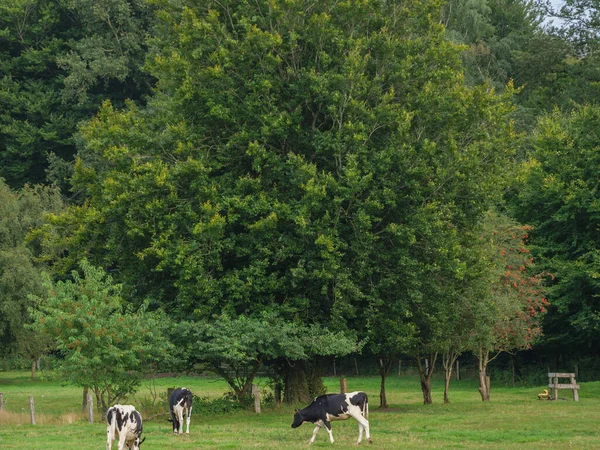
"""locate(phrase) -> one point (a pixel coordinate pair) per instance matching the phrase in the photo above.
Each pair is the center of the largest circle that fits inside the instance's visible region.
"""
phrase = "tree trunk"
(483, 357)
(448, 359)
(295, 384)
(314, 379)
(384, 364)
(277, 391)
(33, 366)
(516, 368)
(425, 373)
(241, 382)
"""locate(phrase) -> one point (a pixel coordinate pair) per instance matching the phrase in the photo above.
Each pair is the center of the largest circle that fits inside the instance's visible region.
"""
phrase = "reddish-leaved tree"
(508, 314)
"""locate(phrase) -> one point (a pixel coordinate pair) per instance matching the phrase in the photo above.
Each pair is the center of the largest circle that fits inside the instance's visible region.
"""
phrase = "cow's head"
(298, 419)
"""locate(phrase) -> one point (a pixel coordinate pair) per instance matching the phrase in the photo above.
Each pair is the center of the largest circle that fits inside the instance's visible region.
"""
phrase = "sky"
(556, 4)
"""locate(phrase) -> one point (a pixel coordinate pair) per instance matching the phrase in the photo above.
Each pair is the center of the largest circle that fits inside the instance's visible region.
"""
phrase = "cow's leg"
(180, 418)
(174, 421)
(187, 419)
(122, 439)
(110, 437)
(362, 424)
(315, 431)
(360, 432)
(328, 428)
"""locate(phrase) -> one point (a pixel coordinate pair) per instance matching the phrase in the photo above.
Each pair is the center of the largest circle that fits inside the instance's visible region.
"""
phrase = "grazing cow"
(326, 408)
(180, 402)
(125, 421)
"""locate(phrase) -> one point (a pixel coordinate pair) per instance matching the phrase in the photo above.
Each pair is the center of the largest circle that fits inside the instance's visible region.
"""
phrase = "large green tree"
(312, 160)
(557, 193)
(20, 272)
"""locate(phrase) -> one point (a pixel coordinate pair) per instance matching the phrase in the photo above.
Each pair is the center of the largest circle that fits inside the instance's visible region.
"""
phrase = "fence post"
(1, 401)
(84, 397)
(90, 408)
(169, 392)
(256, 394)
(32, 409)
(343, 385)
(457, 370)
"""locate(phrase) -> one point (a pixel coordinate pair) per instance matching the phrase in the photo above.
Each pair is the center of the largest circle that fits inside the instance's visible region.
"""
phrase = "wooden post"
(343, 385)
(457, 370)
(556, 387)
(1, 401)
(84, 398)
(90, 408)
(256, 394)
(574, 384)
(334, 368)
(32, 409)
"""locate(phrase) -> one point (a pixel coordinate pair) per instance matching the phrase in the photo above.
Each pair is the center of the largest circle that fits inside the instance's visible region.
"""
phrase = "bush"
(226, 404)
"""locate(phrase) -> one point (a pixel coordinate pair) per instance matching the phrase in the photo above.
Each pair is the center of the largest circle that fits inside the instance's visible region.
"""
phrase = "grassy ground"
(514, 419)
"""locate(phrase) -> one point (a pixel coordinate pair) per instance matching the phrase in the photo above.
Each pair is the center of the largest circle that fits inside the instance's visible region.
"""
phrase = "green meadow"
(513, 419)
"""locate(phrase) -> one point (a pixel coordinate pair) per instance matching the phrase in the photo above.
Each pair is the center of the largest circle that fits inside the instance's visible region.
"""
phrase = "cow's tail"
(366, 408)
(112, 427)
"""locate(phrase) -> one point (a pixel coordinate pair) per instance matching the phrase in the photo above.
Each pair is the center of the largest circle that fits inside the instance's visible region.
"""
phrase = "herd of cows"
(126, 423)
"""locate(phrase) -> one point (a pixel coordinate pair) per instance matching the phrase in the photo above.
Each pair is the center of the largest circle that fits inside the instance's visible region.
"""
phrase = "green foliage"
(110, 50)
(236, 348)
(297, 158)
(497, 35)
(20, 274)
(226, 404)
(32, 121)
(58, 62)
(105, 345)
(557, 192)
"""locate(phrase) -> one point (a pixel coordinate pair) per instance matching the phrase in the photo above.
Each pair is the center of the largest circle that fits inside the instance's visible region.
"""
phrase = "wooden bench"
(555, 385)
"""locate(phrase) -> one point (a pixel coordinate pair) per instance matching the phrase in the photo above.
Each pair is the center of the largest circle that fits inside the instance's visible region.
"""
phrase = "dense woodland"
(237, 186)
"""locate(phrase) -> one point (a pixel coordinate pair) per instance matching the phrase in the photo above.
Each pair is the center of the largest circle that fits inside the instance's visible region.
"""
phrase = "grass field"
(513, 419)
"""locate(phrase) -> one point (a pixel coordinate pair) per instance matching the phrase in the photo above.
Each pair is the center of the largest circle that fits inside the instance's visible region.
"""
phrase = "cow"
(326, 408)
(125, 421)
(180, 403)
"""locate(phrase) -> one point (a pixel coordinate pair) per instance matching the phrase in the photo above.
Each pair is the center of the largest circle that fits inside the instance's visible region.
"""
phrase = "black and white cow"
(326, 408)
(180, 403)
(126, 422)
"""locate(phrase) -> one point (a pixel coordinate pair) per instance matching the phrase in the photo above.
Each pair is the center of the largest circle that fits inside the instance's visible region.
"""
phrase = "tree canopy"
(105, 345)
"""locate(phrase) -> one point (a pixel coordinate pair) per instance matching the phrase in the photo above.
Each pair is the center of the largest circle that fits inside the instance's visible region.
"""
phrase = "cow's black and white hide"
(124, 421)
(180, 403)
(326, 408)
